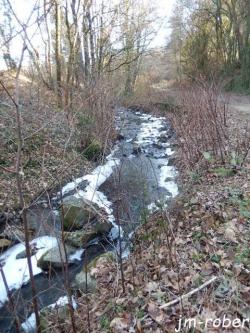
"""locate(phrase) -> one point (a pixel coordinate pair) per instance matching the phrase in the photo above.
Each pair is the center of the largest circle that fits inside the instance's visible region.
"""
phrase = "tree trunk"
(58, 55)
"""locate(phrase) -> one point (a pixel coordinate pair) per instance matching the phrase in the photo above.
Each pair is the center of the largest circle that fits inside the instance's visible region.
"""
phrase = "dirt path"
(241, 104)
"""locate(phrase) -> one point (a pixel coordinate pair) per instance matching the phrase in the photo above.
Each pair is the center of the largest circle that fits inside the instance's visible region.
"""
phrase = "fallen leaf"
(155, 313)
(119, 324)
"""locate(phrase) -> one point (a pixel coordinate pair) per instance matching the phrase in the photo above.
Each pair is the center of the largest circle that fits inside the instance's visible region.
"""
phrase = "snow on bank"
(98, 176)
(29, 326)
(16, 270)
(94, 180)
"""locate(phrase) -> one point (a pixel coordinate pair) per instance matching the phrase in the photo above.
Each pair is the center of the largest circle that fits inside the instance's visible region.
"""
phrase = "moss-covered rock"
(104, 257)
(77, 212)
(80, 238)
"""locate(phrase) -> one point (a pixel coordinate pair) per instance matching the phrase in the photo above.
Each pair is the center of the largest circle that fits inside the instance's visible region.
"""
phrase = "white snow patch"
(16, 270)
(98, 175)
(95, 179)
(129, 140)
(29, 326)
(77, 255)
(152, 207)
(63, 300)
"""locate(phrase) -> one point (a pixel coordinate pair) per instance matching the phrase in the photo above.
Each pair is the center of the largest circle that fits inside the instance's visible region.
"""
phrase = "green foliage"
(243, 256)
(32, 163)
(105, 322)
(140, 313)
(161, 222)
(197, 235)
(195, 176)
(4, 162)
(243, 204)
(215, 258)
(35, 141)
(197, 257)
(208, 157)
(85, 121)
(236, 85)
(144, 216)
(224, 172)
(93, 151)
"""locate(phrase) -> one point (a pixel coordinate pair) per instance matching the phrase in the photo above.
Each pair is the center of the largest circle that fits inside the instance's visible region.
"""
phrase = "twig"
(181, 298)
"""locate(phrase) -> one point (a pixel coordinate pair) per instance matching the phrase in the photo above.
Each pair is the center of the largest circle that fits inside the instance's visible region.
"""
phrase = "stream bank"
(134, 180)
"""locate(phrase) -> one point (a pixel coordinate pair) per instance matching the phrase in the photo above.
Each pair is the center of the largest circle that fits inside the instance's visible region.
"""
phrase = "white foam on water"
(150, 133)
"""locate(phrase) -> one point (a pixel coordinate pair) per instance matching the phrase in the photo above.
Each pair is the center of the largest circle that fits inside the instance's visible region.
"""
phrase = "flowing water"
(132, 181)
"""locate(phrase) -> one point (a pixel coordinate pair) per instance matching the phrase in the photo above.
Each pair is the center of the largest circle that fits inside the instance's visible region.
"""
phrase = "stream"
(135, 179)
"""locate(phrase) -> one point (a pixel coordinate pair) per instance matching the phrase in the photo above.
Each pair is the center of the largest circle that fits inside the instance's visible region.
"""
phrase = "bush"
(201, 124)
(93, 151)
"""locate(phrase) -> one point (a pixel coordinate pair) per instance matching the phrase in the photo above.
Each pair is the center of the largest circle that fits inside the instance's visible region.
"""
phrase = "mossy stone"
(80, 238)
(76, 212)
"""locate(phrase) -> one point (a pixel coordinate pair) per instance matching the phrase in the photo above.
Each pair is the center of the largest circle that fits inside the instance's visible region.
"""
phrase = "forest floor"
(204, 237)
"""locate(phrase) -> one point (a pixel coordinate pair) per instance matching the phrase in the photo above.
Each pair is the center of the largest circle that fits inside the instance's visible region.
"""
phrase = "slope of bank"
(191, 261)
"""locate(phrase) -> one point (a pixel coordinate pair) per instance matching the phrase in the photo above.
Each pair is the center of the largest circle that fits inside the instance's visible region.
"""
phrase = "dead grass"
(54, 138)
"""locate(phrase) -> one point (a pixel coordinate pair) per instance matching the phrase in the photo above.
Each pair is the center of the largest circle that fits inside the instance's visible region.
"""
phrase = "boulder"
(13, 233)
(40, 220)
(80, 238)
(55, 257)
(100, 260)
(78, 212)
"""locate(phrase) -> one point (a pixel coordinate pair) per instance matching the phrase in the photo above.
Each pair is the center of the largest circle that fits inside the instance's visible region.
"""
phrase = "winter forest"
(124, 166)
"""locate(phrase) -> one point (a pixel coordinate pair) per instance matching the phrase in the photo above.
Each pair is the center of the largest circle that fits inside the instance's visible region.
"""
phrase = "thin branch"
(192, 292)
